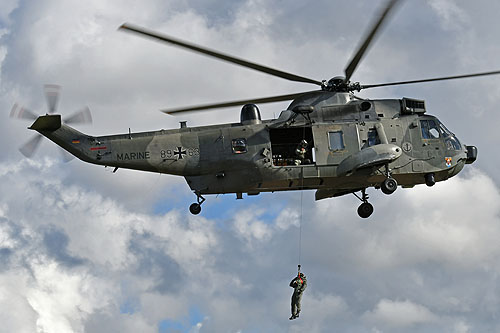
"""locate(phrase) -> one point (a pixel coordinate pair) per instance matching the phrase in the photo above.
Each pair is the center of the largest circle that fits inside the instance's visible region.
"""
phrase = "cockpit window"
(452, 143)
(430, 129)
(434, 129)
(444, 130)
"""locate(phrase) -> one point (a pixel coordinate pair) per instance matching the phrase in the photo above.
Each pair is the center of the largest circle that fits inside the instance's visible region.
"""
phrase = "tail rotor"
(52, 92)
(31, 146)
(52, 95)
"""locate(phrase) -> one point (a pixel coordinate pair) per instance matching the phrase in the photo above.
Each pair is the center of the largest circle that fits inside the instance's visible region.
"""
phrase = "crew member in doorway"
(299, 284)
(300, 152)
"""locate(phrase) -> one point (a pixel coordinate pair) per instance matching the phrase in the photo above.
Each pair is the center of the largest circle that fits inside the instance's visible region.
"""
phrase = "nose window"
(452, 143)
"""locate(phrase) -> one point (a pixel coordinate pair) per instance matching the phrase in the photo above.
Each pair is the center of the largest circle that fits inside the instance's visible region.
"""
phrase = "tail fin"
(50, 122)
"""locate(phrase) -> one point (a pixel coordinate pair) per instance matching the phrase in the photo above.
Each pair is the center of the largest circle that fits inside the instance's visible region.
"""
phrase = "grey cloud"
(56, 242)
(11, 240)
(154, 263)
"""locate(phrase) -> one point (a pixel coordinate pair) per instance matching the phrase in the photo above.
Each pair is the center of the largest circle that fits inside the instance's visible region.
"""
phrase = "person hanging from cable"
(299, 284)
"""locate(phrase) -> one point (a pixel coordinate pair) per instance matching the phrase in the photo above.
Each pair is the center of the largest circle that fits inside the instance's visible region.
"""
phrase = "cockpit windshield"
(444, 130)
(431, 129)
(434, 129)
(451, 140)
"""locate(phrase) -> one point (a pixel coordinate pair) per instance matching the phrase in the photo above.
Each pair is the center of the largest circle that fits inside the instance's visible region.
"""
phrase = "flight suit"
(300, 152)
(299, 283)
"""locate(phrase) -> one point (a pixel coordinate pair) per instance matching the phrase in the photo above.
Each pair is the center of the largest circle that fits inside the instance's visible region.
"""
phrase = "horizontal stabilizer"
(50, 122)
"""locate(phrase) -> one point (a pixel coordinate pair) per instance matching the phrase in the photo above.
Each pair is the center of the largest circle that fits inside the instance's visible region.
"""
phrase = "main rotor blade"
(29, 148)
(271, 99)
(215, 54)
(351, 67)
(22, 113)
(79, 117)
(52, 96)
(366, 86)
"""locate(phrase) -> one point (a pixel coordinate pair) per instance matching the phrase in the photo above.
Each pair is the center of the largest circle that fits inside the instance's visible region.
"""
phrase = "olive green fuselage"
(349, 146)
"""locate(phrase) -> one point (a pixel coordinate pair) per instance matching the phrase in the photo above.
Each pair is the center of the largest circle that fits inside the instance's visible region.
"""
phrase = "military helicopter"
(328, 140)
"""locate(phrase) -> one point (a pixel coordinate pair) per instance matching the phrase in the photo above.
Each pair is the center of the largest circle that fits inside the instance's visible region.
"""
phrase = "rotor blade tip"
(126, 26)
(167, 112)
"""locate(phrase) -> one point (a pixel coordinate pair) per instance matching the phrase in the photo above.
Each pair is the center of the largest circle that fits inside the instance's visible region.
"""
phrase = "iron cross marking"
(179, 153)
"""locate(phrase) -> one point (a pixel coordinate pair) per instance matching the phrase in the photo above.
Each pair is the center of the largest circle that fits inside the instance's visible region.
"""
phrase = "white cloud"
(287, 218)
(63, 300)
(16, 314)
(399, 314)
(248, 226)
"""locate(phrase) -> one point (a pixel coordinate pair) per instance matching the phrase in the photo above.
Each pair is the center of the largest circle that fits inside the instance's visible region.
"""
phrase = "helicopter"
(329, 139)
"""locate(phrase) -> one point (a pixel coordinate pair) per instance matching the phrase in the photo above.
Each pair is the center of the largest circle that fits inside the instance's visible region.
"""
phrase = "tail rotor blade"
(21, 112)
(29, 148)
(52, 92)
(80, 117)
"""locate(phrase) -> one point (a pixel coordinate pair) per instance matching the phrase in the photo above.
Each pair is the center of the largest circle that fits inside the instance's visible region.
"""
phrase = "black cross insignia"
(180, 152)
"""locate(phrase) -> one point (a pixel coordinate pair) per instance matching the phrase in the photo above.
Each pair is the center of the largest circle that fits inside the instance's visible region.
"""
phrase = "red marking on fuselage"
(98, 148)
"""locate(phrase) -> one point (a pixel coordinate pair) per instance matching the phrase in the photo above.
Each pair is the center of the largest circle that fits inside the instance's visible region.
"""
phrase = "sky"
(83, 249)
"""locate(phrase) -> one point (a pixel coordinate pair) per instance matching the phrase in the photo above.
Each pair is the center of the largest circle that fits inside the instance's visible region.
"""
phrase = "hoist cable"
(300, 221)
(301, 199)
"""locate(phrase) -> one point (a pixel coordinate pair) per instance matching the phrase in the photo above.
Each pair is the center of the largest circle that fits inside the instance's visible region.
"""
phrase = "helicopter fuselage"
(350, 145)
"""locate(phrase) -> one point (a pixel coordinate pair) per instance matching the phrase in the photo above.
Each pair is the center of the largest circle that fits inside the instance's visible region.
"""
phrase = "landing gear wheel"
(365, 210)
(389, 185)
(195, 208)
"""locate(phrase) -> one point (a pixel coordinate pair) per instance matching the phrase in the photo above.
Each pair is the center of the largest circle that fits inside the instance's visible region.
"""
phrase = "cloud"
(111, 264)
(6, 8)
(453, 17)
(63, 300)
(399, 314)
(70, 259)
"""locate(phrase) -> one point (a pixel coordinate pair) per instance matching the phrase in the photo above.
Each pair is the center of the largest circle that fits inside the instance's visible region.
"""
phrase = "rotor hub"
(339, 84)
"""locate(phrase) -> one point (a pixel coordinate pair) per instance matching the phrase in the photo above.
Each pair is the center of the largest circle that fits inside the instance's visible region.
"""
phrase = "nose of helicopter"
(471, 154)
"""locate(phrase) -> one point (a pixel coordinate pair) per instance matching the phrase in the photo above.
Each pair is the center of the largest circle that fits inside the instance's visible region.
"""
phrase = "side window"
(373, 138)
(239, 146)
(336, 140)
